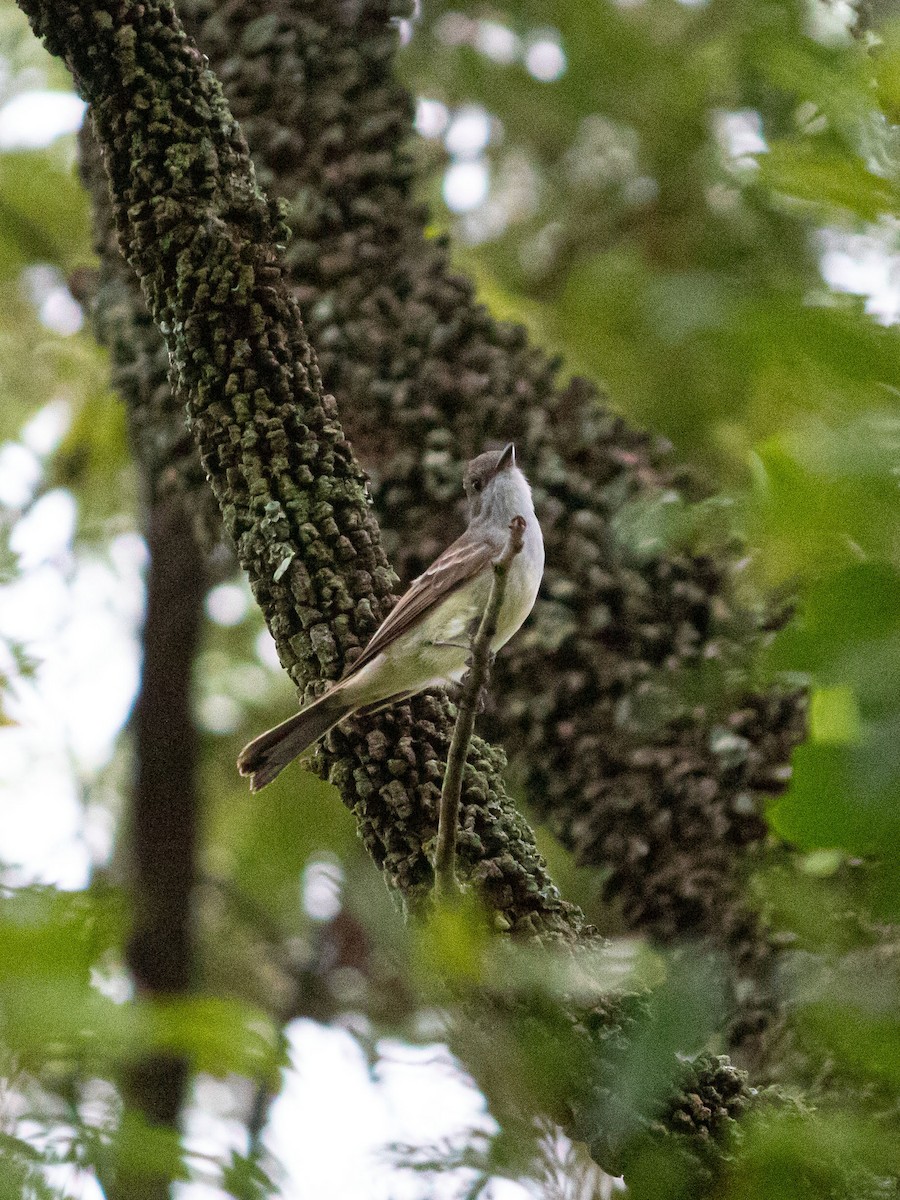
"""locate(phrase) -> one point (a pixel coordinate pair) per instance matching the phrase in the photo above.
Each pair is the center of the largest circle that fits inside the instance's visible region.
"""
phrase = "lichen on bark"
(203, 240)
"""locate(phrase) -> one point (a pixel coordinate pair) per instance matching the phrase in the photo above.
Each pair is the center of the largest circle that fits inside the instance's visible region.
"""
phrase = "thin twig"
(445, 883)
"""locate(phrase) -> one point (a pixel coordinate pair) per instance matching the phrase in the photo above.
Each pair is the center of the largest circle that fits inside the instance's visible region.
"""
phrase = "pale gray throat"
(506, 496)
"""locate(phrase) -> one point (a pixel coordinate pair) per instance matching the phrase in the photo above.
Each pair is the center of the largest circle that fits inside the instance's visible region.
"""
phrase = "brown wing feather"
(459, 563)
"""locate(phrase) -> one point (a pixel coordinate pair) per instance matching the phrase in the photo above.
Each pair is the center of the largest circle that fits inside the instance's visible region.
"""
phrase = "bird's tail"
(268, 755)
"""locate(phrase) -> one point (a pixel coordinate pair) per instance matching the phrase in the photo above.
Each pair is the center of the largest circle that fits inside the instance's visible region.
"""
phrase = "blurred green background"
(696, 204)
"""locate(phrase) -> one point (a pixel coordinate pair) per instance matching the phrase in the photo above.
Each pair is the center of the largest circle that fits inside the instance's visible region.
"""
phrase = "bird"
(425, 640)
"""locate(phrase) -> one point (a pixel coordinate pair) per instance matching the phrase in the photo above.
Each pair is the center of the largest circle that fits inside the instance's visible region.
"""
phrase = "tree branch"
(664, 793)
(201, 237)
(668, 807)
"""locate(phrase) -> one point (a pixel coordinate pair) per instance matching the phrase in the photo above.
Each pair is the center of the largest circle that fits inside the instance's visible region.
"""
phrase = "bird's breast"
(522, 584)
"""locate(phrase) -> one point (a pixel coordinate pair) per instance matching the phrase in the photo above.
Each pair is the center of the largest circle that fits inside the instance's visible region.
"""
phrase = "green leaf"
(829, 179)
(788, 1155)
(834, 716)
(144, 1150)
(219, 1036)
(844, 796)
(850, 608)
(246, 1178)
(43, 212)
(867, 1043)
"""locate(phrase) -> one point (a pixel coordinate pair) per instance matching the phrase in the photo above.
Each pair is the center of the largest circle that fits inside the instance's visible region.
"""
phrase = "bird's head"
(488, 477)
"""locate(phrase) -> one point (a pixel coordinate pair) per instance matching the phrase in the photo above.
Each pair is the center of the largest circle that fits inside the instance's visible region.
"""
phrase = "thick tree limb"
(202, 239)
(445, 880)
(667, 805)
(662, 792)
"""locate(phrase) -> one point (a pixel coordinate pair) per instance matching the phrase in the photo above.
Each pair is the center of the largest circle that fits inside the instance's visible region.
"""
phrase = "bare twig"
(445, 852)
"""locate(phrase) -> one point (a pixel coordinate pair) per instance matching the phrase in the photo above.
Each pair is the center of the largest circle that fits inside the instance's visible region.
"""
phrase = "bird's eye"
(477, 485)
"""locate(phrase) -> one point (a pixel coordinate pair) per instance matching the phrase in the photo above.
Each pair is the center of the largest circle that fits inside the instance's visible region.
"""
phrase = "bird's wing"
(460, 562)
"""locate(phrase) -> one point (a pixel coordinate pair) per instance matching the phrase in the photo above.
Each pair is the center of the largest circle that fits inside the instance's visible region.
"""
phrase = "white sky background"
(80, 620)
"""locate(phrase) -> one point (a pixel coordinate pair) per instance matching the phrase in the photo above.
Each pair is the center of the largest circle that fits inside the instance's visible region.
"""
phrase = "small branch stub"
(445, 882)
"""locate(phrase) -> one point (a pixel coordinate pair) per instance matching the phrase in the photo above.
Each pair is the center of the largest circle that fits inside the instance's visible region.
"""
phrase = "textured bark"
(664, 794)
(158, 430)
(202, 239)
(163, 812)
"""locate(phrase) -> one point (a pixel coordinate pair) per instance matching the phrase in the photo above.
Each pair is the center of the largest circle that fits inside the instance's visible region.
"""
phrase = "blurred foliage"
(683, 202)
(697, 204)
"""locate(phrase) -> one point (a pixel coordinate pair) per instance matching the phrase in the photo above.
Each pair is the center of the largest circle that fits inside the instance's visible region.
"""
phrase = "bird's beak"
(507, 458)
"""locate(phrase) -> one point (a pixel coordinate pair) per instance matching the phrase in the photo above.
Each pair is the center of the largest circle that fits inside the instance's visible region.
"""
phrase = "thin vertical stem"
(445, 882)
